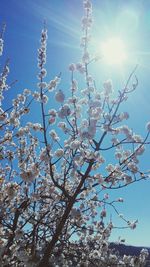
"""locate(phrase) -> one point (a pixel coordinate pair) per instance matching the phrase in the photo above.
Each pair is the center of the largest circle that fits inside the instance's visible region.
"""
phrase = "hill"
(130, 250)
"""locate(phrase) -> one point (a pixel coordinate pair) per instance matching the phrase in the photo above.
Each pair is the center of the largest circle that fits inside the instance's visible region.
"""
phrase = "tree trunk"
(45, 260)
(48, 251)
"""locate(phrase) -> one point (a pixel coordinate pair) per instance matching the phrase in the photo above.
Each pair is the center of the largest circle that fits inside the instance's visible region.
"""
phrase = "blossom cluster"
(57, 169)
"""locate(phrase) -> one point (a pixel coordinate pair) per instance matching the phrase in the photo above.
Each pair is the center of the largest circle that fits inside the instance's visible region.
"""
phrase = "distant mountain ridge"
(130, 250)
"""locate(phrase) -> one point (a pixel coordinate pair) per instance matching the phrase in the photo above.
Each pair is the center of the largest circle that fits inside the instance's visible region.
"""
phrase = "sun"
(114, 51)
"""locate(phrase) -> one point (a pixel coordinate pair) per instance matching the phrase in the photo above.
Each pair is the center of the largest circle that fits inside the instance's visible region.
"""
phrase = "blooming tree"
(53, 172)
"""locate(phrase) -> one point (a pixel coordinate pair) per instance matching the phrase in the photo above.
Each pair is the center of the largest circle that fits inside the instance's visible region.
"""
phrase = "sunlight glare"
(113, 51)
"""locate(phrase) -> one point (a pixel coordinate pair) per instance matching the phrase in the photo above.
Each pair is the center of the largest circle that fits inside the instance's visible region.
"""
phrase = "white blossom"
(59, 153)
(107, 87)
(1, 46)
(64, 111)
(148, 126)
(72, 67)
(59, 96)
(54, 135)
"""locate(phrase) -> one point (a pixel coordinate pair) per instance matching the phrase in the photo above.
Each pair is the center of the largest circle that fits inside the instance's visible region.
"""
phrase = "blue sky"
(128, 20)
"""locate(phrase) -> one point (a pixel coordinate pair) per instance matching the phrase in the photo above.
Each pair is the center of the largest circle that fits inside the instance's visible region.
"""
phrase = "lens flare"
(113, 51)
